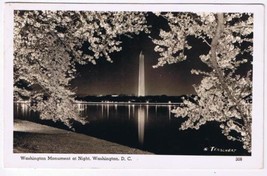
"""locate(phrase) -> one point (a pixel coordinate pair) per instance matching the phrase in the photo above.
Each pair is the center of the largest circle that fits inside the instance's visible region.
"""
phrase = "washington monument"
(141, 80)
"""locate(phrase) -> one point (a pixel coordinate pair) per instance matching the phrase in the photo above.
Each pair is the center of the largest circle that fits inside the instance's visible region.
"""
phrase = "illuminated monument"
(141, 80)
(141, 92)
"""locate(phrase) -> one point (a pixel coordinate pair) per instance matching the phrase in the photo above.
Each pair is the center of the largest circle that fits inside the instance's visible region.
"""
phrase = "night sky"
(121, 76)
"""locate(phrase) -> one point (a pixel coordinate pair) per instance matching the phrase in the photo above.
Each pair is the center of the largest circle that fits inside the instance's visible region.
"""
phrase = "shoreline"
(30, 137)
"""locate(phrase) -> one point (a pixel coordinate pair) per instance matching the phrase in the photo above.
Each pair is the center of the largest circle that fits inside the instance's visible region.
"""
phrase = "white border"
(141, 161)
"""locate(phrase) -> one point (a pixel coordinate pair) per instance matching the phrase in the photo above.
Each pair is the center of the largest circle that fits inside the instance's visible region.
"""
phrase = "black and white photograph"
(176, 83)
(109, 85)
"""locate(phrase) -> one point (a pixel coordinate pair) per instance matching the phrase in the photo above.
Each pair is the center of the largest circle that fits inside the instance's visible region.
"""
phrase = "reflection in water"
(129, 112)
(133, 106)
(170, 109)
(108, 112)
(156, 109)
(147, 112)
(150, 127)
(24, 108)
(141, 124)
(116, 107)
(82, 108)
(139, 112)
(102, 110)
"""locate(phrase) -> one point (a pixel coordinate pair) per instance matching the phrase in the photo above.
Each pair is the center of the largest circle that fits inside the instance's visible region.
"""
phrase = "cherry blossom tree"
(224, 94)
(48, 44)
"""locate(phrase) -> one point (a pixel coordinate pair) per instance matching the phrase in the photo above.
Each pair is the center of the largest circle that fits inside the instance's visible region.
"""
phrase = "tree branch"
(219, 72)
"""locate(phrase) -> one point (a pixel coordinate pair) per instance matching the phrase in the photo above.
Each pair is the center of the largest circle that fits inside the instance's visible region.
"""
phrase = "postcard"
(134, 85)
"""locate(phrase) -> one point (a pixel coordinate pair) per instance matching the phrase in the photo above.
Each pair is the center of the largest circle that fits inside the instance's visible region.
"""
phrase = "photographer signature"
(217, 149)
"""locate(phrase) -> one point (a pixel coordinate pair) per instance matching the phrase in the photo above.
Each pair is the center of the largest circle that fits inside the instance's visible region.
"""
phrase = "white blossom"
(223, 95)
(47, 45)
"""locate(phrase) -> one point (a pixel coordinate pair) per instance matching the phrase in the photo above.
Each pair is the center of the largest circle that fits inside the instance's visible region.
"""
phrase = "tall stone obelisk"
(141, 80)
(141, 92)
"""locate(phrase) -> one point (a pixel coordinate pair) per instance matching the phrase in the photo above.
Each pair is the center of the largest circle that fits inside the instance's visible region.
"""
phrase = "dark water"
(150, 127)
